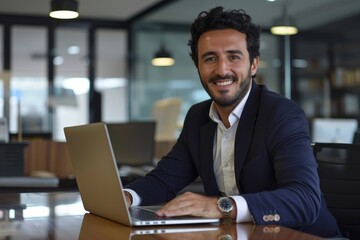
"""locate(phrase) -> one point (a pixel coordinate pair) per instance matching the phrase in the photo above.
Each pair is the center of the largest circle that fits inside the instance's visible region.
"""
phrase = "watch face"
(225, 204)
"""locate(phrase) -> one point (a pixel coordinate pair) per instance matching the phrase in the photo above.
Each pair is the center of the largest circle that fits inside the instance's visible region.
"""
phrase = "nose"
(222, 67)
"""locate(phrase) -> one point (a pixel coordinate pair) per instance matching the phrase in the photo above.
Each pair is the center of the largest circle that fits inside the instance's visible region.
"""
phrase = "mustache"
(219, 77)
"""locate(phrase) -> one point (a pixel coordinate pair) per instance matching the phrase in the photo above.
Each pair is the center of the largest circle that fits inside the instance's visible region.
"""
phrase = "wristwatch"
(225, 206)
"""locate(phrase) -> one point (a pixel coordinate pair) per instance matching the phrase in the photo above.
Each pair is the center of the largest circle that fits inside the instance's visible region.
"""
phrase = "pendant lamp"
(162, 58)
(284, 25)
(64, 9)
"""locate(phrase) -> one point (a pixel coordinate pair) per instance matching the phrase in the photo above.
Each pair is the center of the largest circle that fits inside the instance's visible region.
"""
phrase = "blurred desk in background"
(48, 155)
(12, 158)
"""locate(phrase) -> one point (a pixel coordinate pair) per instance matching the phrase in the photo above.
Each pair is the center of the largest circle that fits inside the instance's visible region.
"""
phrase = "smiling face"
(224, 66)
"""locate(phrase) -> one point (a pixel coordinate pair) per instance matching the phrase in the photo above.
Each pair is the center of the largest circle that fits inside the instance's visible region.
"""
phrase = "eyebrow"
(227, 51)
(235, 51)
(208, 54)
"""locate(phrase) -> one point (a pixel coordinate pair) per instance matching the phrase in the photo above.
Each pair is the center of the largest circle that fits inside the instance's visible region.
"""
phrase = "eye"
(234, 57)
(210, 59)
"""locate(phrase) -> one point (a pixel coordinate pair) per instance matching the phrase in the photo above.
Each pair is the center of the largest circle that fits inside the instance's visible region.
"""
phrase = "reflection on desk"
(61, 216)
(11, 213)
(94, 227)
(31, 216)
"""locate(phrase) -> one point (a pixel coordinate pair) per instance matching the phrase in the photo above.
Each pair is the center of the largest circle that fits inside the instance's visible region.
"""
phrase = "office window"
(153, 83)
(28, 96)
(71, 84)
(111, 75)
(2, 73)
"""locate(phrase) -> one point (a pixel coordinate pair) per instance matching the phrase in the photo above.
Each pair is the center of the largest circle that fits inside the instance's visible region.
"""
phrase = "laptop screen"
(133, 142)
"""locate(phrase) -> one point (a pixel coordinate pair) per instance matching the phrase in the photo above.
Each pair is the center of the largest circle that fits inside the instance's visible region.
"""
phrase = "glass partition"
(111, 76)
(28, 105)
(71, 85)
(2, 70)
(181, 80)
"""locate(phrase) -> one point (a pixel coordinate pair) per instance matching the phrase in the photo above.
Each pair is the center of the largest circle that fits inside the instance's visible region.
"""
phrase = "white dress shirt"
(224, 168)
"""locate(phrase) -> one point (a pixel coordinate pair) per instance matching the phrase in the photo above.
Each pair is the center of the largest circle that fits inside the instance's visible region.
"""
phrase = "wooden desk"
(61, 216)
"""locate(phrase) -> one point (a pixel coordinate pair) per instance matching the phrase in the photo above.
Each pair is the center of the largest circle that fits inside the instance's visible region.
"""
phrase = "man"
(251, 147)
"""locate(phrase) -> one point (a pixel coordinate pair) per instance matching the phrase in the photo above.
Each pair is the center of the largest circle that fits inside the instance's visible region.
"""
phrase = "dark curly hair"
(217, 19)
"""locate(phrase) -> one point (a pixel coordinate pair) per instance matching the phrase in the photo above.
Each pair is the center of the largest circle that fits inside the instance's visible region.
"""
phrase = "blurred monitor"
(133, 142)
(334, 130)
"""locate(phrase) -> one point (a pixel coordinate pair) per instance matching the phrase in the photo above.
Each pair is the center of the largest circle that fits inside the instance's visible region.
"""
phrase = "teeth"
(223, 83)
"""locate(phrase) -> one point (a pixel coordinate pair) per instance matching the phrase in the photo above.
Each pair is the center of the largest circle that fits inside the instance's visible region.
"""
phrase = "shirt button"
(270, 218)
(276, 217)
(265, 218)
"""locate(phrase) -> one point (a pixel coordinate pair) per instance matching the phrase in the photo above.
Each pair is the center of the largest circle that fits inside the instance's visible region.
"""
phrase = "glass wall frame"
(50, 73)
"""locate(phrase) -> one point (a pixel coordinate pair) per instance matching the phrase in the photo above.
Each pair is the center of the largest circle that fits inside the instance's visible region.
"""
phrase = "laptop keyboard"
(142, 214)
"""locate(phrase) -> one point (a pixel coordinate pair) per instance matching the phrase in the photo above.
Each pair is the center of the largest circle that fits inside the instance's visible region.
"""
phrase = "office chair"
(165, 113)
(356, 139)
(339, 172)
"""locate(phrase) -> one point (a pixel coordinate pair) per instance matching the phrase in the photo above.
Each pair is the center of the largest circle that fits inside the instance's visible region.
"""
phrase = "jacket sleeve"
(295, 197)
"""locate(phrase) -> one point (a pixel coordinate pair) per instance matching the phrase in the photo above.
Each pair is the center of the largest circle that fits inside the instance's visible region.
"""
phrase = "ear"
(254, 66)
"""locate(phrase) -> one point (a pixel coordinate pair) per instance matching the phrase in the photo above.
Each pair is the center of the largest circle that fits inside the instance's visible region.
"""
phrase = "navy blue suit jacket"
(276, 171)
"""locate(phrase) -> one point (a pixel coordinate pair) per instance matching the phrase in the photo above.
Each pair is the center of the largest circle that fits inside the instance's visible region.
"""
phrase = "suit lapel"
(207, 134)
(245, 130)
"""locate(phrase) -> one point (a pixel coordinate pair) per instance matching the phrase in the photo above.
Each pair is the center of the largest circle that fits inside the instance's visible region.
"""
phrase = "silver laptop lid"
(98, 178)
(96, 171)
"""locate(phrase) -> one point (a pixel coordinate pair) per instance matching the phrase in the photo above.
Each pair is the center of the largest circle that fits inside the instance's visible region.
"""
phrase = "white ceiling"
(103, 9)
(307, 13)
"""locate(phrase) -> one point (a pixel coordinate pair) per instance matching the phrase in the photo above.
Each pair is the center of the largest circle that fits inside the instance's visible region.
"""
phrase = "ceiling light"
(284, 25)
(64, 9)
(162, 58)
(58, 60)
(284, 30)
(73, 50)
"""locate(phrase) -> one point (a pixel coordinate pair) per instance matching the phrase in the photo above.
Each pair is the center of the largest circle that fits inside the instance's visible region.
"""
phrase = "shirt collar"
(235, 114)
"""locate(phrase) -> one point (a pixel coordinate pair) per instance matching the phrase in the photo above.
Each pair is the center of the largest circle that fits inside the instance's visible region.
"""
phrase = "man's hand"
(128, 198)
(191, 204)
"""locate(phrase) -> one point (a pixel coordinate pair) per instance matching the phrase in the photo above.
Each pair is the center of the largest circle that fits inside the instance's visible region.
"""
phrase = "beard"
(225, 101)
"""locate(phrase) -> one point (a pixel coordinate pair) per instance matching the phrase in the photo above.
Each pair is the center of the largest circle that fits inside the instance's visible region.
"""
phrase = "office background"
(57, 73)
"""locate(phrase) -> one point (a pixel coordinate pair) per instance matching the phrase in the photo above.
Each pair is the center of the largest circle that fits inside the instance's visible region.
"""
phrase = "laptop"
(99, 183)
